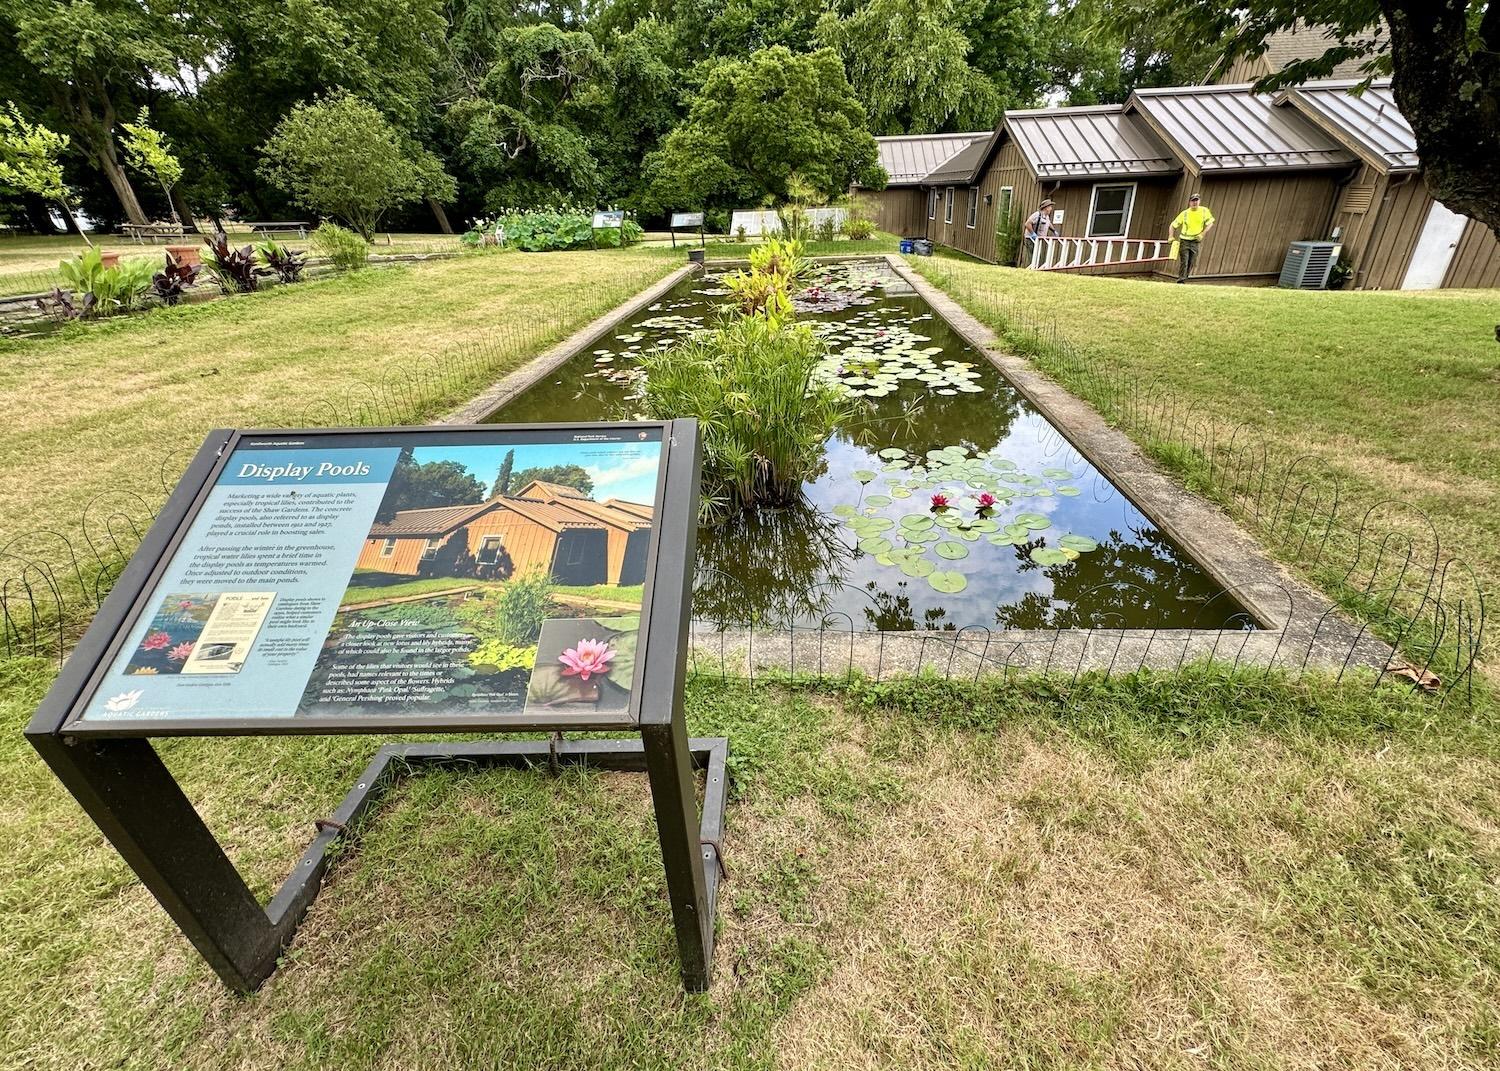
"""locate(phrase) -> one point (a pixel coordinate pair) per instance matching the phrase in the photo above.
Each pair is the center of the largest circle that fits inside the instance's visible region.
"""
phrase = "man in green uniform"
(1187, 230)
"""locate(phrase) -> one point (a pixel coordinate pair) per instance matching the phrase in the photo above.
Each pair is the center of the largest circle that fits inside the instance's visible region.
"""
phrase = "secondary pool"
(1027, 534)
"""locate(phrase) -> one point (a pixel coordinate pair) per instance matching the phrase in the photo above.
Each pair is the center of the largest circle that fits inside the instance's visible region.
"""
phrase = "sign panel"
(687, 219)
(606, 221)
(332, 580)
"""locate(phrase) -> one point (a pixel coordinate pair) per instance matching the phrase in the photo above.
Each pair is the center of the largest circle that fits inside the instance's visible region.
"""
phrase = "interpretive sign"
(607, 221)
(687, 219)
(495, 578)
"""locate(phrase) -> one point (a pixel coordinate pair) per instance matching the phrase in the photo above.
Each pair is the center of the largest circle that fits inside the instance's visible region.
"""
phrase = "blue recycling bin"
(906, 245)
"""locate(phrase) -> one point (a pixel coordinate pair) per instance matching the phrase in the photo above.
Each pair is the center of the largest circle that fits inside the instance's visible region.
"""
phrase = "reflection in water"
(802, 565)
(773, 567)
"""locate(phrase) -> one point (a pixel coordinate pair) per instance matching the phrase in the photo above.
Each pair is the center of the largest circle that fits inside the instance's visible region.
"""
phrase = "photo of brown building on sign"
(543, 527)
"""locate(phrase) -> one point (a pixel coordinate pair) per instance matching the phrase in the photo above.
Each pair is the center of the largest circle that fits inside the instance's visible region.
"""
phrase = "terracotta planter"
(109, 260)
(187, 255)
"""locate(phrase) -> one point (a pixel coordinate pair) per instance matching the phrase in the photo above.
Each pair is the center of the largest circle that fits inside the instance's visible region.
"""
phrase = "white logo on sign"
(123, 701)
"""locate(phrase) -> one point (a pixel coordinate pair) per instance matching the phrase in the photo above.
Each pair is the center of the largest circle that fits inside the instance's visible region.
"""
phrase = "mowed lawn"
(1398, 393)
(1158, 874)
(102, 408)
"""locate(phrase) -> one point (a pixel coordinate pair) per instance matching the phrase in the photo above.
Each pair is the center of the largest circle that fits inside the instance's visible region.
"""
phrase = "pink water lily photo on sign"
(584, 665)
(172, 634)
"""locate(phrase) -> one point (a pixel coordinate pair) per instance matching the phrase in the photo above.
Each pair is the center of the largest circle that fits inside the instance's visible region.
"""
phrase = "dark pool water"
(1060, 548)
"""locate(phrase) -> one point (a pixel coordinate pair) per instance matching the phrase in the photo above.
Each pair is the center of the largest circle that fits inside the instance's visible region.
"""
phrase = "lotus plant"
(591, 658)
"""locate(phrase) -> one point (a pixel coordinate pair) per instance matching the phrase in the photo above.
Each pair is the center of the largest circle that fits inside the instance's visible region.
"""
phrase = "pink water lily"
(180, 652)
(986, 501)
(155, 641)
(939, 503)
(589, 658)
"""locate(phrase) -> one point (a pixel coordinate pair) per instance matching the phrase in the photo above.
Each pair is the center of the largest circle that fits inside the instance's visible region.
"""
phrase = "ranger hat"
(1047, 201)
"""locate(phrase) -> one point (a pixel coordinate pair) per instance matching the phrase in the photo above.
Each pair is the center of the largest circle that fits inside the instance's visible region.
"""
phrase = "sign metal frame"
(115, 773)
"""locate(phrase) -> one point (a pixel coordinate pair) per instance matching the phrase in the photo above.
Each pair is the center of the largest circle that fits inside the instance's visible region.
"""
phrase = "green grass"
(102, 407)
(612, 592)
(1152, 873)
(1398, 394)
(368, 593)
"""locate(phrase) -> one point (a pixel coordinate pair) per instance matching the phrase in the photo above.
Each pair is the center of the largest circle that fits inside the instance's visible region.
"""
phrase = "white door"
(1435, 246)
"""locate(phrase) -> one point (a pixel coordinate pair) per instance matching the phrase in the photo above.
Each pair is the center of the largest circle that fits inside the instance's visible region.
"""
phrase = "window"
(932, 203)
(973, 216)
(430, 550)
(388, 548)
(1109, 212)
(1004, 205)
(948, 206)
(489, 549)
(576, 549)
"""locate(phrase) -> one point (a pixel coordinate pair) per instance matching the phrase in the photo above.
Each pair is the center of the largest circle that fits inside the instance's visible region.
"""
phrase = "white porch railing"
(1061, 254)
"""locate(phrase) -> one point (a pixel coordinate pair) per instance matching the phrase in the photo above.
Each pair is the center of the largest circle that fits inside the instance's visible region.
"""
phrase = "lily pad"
(916, 522)
(844, 510)
(951, 550)
(863, 475)
(1033, 521)
(948, 581)
(875, 545)
(917, 567)
(1048, 556)
(878, 500)
(892, 452)
(1080, 543)
(1058, 474)
(1068, 491)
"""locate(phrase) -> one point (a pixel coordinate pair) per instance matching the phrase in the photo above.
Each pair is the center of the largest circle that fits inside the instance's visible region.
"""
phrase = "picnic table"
(266, 229)
(151, 232)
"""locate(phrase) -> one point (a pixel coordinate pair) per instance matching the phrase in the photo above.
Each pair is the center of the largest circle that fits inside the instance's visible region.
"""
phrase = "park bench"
(151, 232)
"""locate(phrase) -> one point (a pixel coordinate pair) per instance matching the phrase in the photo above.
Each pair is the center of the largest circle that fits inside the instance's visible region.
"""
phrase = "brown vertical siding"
(402, 561)
(1476, 261)
(1357, 214)
(529, 545)
(1258, 215)
(1402, 209)
(1007, 169)
(901, 211)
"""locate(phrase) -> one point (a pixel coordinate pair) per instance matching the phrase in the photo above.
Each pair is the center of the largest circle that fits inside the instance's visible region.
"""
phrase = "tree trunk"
(184, 211)
(440, 215)
(38, 214)
(109, 163)
(1449, 91)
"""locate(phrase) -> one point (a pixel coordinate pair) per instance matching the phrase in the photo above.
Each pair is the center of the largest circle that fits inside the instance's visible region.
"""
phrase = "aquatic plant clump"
(942, 502)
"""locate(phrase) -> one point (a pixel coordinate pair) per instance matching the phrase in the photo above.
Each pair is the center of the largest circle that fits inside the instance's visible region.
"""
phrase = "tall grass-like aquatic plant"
(763, 417)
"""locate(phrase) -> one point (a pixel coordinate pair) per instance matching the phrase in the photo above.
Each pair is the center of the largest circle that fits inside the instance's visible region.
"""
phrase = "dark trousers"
(1187, 256)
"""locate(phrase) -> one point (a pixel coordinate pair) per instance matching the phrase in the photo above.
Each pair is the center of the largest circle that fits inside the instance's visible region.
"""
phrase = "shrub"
(766, 289)
(739, 233)
(827, 229)
(342, 248)
(542, 230)
(763, 417)
(716, 220)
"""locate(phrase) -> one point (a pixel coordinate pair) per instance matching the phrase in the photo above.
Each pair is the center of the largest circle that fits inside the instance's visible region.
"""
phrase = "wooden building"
(1314, 163)
(908, 160)
(627, 526)
(504, 536)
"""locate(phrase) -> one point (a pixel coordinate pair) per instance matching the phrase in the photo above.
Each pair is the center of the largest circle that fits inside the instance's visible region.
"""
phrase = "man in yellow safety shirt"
(1187, 232)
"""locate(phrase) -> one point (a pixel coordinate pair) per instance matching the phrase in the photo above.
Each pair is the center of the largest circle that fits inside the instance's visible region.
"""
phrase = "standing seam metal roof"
(1229, 128)
(1085, 142)
(961, 168)
(1370, 121)
(910, 158)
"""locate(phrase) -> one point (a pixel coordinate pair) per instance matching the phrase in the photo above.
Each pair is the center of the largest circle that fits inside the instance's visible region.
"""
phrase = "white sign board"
(605, 221)
(687, 219)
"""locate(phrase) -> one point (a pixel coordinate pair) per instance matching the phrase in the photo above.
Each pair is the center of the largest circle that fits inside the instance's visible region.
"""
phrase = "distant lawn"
(1399, 393)
(105, 407)
(1150, 874)
(369, 592)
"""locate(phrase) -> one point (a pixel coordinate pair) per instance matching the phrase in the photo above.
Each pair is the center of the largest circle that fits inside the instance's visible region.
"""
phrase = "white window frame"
(484, 544)
(388, 548)
(430, 549)
(948, 205)
(932, 200)
(971, 214)
(1129, 208)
